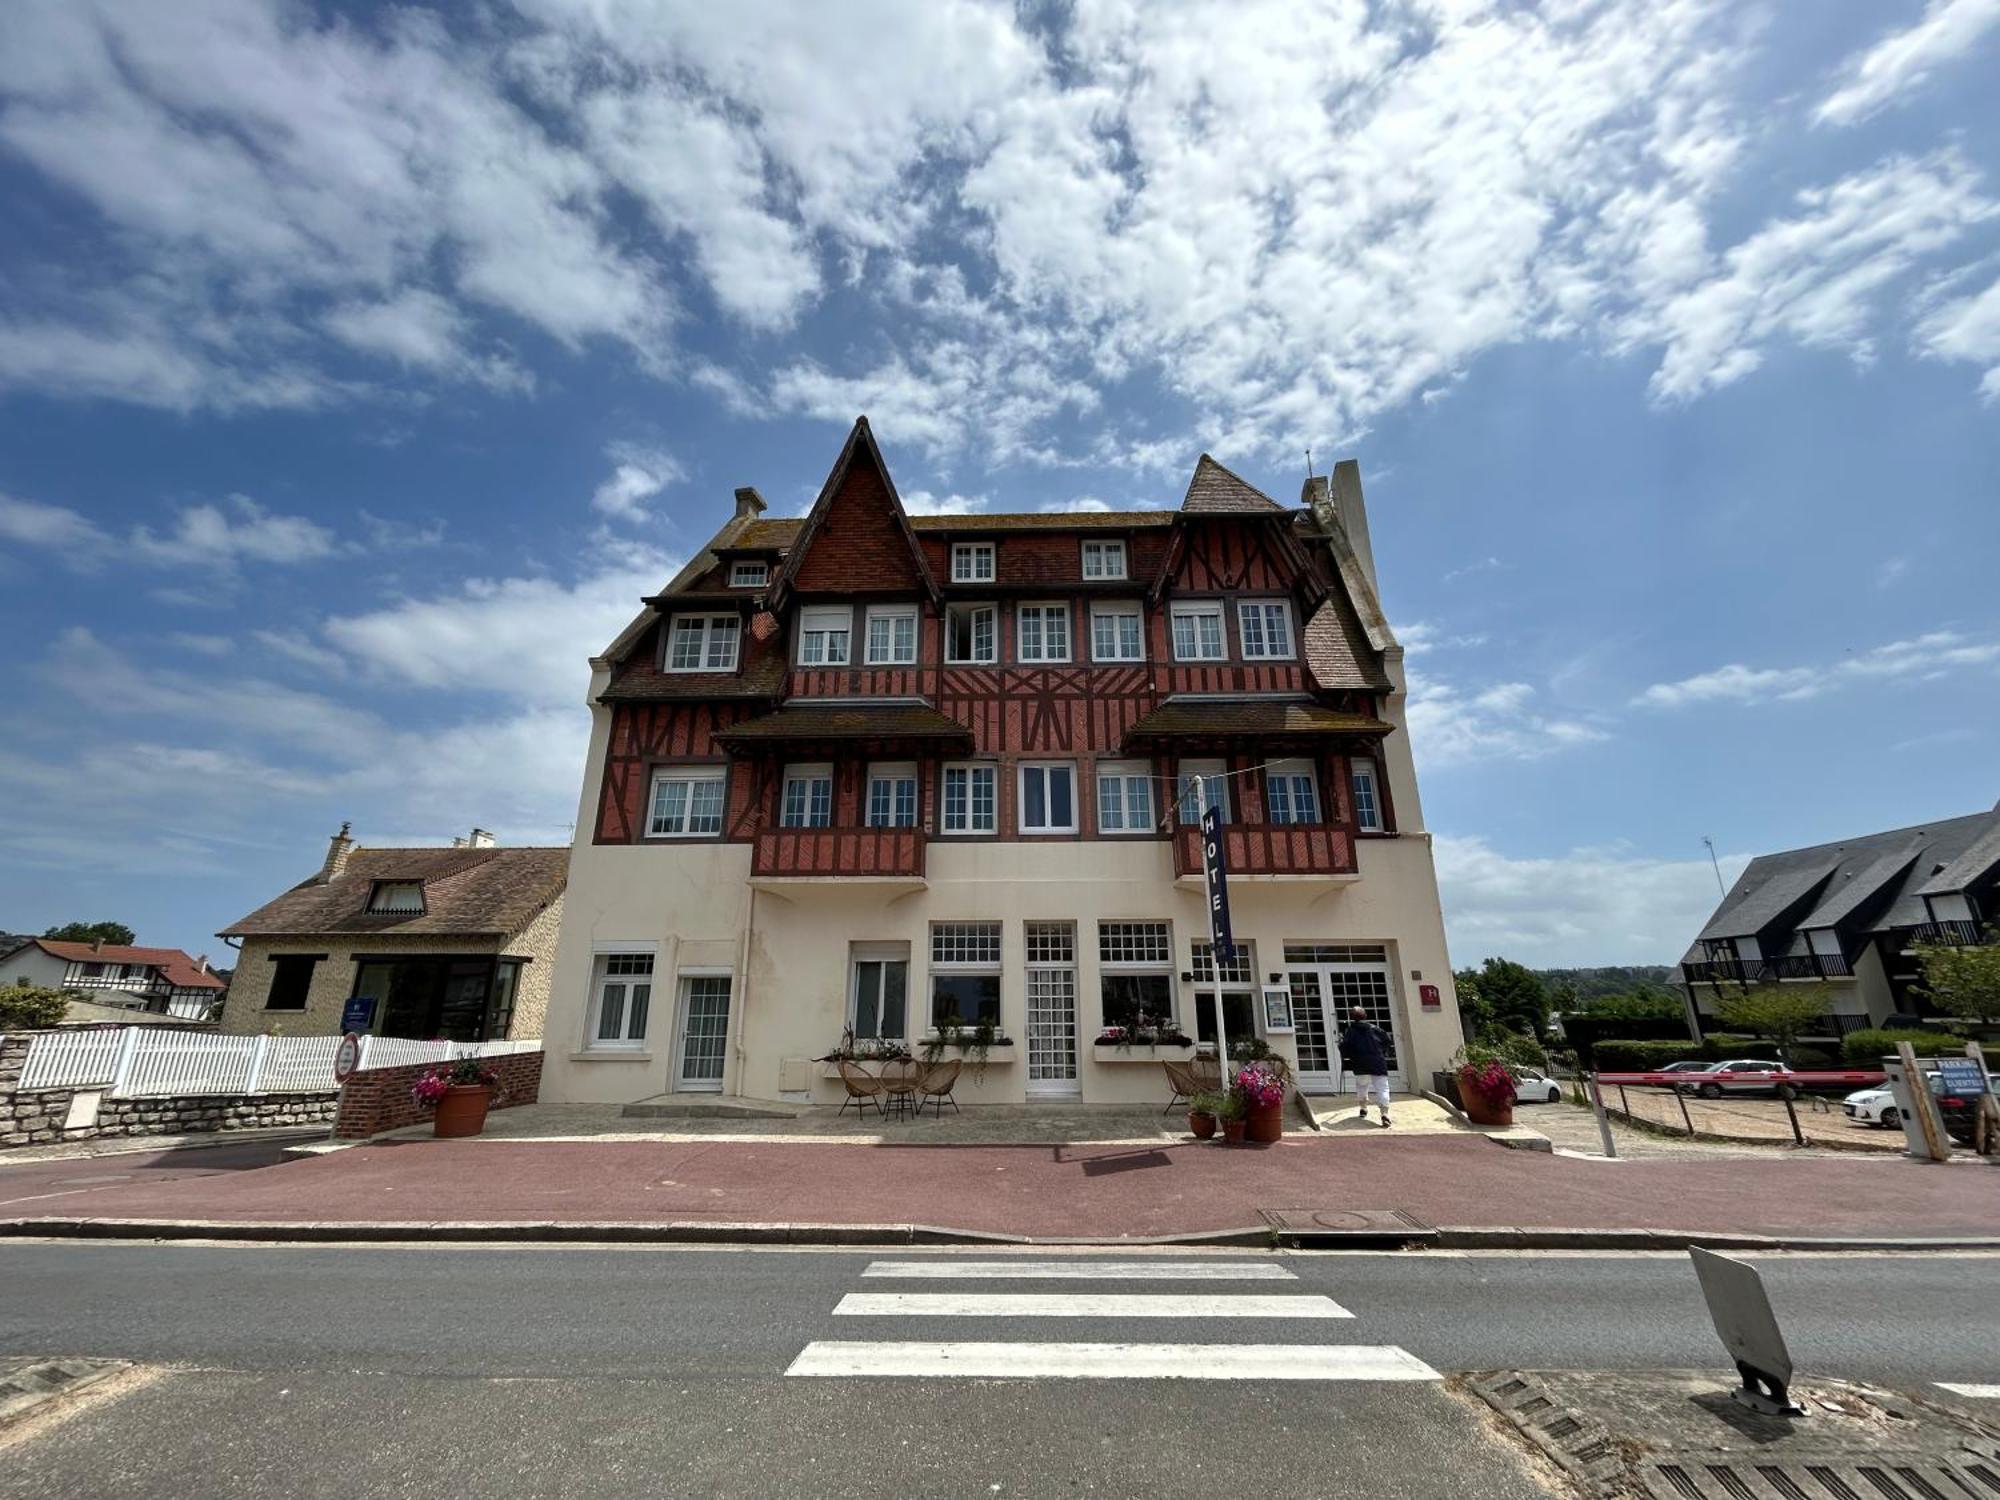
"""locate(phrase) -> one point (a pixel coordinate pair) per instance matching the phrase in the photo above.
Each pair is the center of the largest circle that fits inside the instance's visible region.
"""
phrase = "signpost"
(1216, 881)
(1741, 1310)
(358, 1014)
(1962, 1076)
(346, 1057)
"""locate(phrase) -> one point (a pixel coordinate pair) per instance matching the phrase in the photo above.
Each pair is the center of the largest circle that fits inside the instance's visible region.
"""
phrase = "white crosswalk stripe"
(1976, 1391)
(1000, 1361)
(1029, 1358)
(1085, 1305)
(1080, 1270)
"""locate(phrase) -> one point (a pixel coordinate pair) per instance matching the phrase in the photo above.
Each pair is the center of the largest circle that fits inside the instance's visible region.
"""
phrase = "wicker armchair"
(863, 1089)
(899, 1083)
(936, 1085)
(1202, 1075)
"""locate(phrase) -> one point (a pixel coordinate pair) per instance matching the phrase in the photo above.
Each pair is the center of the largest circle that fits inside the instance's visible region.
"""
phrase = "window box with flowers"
(1144, 1042)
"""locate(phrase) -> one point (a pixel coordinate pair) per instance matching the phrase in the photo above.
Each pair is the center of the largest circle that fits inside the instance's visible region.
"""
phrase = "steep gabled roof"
(467, 893)
(1978, 860)
(860, 444)
(1215, 490)
(176, 967)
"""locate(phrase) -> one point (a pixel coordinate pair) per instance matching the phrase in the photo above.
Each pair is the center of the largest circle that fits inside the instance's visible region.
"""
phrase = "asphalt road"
(342, 1371)
(33, 1185)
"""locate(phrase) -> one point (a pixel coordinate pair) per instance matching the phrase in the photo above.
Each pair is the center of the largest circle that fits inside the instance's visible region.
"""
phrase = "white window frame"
(808, 775)
(1363, 770)
(1118, 609)
(1122, 775)
(1046, 769)
(715, 629)
(1107, 552)
(693, 776)
(1283, 607)
(1292, 770)
(890, 614)
(893, 774)
(1216, 785)
(1164, 964)
(601, 978)
(974, 562)
(992, 613)
(971, 768)
(739, 575)
(820, 619)
(1198, 610)
(976, 968)
(1043, 611)
(878, 953)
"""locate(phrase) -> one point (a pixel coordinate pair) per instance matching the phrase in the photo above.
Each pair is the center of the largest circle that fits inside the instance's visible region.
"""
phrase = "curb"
(1261, 1237)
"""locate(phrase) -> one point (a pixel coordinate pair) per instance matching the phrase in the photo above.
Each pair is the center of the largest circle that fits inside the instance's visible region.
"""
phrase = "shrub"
(1643, 1057)
(1511, 1046)
(1872, 1046)
(27, 1005)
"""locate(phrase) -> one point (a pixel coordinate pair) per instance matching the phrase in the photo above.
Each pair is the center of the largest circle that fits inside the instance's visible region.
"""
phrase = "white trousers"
(1373, 1088)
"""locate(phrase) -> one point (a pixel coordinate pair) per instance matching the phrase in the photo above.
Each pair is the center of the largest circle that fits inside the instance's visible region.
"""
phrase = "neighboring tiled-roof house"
(161, 981)
(453, 943)
(1848, 913)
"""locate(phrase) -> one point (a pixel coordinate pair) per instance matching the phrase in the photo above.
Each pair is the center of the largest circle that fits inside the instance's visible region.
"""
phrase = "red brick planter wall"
(379, 1099)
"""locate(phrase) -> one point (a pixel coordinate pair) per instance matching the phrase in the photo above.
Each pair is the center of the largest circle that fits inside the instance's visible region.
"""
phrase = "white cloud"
(1450, 725)
(924, 503)
(419, 329)
(1921, 658)
(296, 646)
(639, 473)
(1967, 329)
(240, 530)
(29, 523)
(202, 645)
(1484, 565)
(1903, 60)
(1589, 906)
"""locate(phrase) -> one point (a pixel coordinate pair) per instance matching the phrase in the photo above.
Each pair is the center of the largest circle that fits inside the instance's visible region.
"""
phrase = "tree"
(1780, 1012)
(1647, 1005)
(24, 1006)
(1514, 997)
(1474, 1014)
(1963, 981)
(91, 932)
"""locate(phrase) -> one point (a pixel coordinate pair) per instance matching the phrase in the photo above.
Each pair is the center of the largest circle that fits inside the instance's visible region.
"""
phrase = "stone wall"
(380, 1100)
(43, 1117)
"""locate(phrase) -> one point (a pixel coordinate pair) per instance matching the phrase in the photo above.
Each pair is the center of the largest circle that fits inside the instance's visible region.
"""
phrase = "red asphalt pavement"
(1046, 1191)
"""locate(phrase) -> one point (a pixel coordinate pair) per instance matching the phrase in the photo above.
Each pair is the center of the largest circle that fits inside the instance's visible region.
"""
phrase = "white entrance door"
(1051, 1008)
(1327, 982)
(702, 1042)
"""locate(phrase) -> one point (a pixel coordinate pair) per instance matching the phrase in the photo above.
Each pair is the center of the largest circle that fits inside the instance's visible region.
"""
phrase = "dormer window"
(749, 575)
(972, 562)
(1103, 559)
(403, 898)
(703, 643)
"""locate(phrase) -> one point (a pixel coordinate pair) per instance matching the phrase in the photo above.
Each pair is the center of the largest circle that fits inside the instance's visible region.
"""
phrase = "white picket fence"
(137, 1060)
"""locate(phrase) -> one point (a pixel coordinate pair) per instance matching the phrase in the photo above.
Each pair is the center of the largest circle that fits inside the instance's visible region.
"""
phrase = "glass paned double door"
(1323, 999)
(703, 1043)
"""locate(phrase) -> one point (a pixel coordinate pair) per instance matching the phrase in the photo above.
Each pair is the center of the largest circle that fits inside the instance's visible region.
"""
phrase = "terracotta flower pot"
(1202, 1125)
(1266, 1122)
(1482, 1110)
(1232, 1130)
(462, 1110)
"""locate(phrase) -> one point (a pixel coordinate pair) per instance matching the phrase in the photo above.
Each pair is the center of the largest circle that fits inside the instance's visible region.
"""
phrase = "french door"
(1051, 1008)
(1328, 980)
(702, 1043)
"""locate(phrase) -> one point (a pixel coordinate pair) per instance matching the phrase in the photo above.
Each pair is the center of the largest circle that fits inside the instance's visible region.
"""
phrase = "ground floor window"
(291, 981)
(459, 997)
(1239, 994)
(621, 999)
(965, 974)
(1136, 983)
(879, 997)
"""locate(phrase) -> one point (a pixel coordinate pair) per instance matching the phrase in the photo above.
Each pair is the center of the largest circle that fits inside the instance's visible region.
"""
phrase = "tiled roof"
(176, 967)
(1187, 718)
(845, 721)
(1057, 520)
(638, 678)
(1336, 649)
(467, 893)
(766, 533)
(1215, 490)
(1980, 856)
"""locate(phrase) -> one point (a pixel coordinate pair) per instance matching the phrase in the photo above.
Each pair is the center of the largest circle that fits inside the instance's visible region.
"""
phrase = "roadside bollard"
(1681, 1098)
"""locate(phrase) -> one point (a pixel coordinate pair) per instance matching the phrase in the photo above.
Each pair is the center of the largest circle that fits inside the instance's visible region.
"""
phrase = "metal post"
(1215, 970)
(1624, 1104)
(1798, 1136)
(1603, 1124)
(1686, 1119)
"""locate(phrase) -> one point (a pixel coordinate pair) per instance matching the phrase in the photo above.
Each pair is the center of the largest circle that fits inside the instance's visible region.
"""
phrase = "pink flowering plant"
(463, 1072)
(1260, 1084)
(1483, 1073)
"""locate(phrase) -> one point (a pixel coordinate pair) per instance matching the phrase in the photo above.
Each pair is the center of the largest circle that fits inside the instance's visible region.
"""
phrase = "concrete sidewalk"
(1053, 1192)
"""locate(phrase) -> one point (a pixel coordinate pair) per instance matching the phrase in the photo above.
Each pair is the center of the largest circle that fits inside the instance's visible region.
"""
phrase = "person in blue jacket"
(1366, 1053)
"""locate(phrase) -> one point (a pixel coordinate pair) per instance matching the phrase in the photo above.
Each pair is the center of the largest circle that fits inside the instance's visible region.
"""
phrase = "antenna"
(1716, 865)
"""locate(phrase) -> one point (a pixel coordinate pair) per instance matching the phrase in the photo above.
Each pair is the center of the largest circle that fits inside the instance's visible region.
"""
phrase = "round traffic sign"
(346, 1057)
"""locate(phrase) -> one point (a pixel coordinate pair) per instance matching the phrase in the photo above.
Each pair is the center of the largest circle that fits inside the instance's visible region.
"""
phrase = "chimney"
(459, 843)
(480, 839)
(97, 945)
(201, 963)
(749, 502)
(1347, 504)
(337, 849)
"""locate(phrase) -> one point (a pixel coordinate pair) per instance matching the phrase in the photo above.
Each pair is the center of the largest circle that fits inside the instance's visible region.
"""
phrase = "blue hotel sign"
(1216, 878)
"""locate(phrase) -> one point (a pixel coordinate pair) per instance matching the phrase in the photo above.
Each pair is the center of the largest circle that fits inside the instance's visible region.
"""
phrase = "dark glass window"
(291, 980)
(972, 998)
(1127, 997)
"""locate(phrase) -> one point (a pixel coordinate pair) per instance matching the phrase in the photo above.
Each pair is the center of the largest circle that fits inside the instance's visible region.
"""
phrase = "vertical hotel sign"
(1217, 882)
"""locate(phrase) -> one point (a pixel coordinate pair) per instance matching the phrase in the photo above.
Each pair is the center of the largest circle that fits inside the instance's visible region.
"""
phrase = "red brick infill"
(380, 1098)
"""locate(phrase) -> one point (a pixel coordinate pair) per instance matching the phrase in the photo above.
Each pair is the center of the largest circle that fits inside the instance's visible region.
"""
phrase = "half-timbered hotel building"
(866, 773)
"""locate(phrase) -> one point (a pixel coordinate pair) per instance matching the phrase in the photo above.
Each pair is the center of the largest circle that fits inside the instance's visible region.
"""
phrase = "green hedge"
(1615, 1056)
(1872, 1046)
(23, 1005)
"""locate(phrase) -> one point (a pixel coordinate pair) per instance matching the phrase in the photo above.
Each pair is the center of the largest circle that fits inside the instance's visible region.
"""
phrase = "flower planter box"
(1140, 1052)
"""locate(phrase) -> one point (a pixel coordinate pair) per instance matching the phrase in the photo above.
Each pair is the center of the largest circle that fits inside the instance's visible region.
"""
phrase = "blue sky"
(360, 368)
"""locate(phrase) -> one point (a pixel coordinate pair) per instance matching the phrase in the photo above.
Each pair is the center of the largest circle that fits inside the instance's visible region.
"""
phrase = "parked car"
(1876, 1106)
(1741, 1075)
(1700, 1066)
(1533, 1086)
(1961, 1111)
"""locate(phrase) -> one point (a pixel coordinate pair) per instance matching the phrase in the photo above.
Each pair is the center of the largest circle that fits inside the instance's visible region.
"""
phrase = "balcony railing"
(1724, 971)
(149, 983)
(1955, 934)
(1765, 970)
(806, 853)
(1271, 849)
(1809, 966)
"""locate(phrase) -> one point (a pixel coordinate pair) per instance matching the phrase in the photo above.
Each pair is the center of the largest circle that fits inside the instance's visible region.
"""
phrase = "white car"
(1533, 1086)
(1740, 1075)
(1876, 1106)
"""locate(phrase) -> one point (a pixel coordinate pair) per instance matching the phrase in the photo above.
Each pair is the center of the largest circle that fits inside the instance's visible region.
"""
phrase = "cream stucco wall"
(333, 977)
(691, 905)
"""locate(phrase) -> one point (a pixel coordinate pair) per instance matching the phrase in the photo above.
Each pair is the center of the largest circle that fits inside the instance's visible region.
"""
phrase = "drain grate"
(1880, 1476)
(1320, 1227)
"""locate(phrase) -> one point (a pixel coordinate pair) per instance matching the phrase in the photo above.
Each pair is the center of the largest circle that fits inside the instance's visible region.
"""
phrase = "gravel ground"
(1571, 1128)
